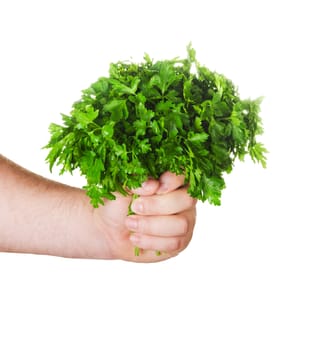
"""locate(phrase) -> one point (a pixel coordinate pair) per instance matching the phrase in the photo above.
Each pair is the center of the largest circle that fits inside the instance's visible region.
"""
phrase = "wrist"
(86, 234)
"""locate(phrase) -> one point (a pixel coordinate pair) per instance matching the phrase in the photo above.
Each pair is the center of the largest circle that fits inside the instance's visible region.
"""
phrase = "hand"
(164, 221)
(40, 216)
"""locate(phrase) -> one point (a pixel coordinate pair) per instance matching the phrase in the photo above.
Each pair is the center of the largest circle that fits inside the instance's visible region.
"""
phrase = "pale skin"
(40, 216)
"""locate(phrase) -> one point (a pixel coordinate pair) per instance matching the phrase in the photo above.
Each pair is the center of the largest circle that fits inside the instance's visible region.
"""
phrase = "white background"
(244, 281)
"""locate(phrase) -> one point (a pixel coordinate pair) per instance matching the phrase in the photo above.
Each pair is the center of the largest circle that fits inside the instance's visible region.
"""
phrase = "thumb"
(148, 188)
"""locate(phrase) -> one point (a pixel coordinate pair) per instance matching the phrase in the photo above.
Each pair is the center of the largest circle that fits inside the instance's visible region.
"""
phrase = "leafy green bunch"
(144, 119)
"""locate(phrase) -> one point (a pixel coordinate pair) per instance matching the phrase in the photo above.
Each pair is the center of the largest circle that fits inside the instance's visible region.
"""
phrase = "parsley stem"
(136, 251)
(130, 212)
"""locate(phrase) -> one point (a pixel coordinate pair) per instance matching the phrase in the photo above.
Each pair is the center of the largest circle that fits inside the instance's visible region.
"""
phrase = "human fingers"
(170, 225)
(148, 188)
(164, 204)
(170, 182)
(159, 244)
(167, 182)
(174, 236)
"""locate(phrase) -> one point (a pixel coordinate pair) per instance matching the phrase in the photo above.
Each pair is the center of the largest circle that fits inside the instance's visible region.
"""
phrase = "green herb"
(147, 118)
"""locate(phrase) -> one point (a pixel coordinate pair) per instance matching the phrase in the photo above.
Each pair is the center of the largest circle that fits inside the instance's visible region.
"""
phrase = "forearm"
(38, 215)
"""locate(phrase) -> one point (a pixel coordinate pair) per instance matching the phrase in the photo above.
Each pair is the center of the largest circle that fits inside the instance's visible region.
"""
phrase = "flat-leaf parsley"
(144, 119)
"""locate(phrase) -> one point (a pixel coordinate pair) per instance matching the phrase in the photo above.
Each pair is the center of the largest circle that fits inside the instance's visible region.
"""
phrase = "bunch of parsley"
(147, 118)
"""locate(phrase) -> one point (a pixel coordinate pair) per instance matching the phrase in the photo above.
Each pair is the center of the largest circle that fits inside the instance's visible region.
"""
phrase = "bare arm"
(45, 217)
(38, 215)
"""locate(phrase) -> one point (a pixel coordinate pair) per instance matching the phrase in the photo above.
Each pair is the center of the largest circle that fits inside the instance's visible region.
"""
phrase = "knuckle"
(141, 225)
(184, 225)
(174, 245)
(190, 201)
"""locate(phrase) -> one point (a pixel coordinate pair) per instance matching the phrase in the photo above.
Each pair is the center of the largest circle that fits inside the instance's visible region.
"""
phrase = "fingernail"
(137, 206)
(146, 186)
(162, 189)
(131, 223)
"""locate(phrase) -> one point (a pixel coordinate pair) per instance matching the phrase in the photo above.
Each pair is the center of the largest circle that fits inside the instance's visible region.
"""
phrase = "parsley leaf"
(147, 118)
